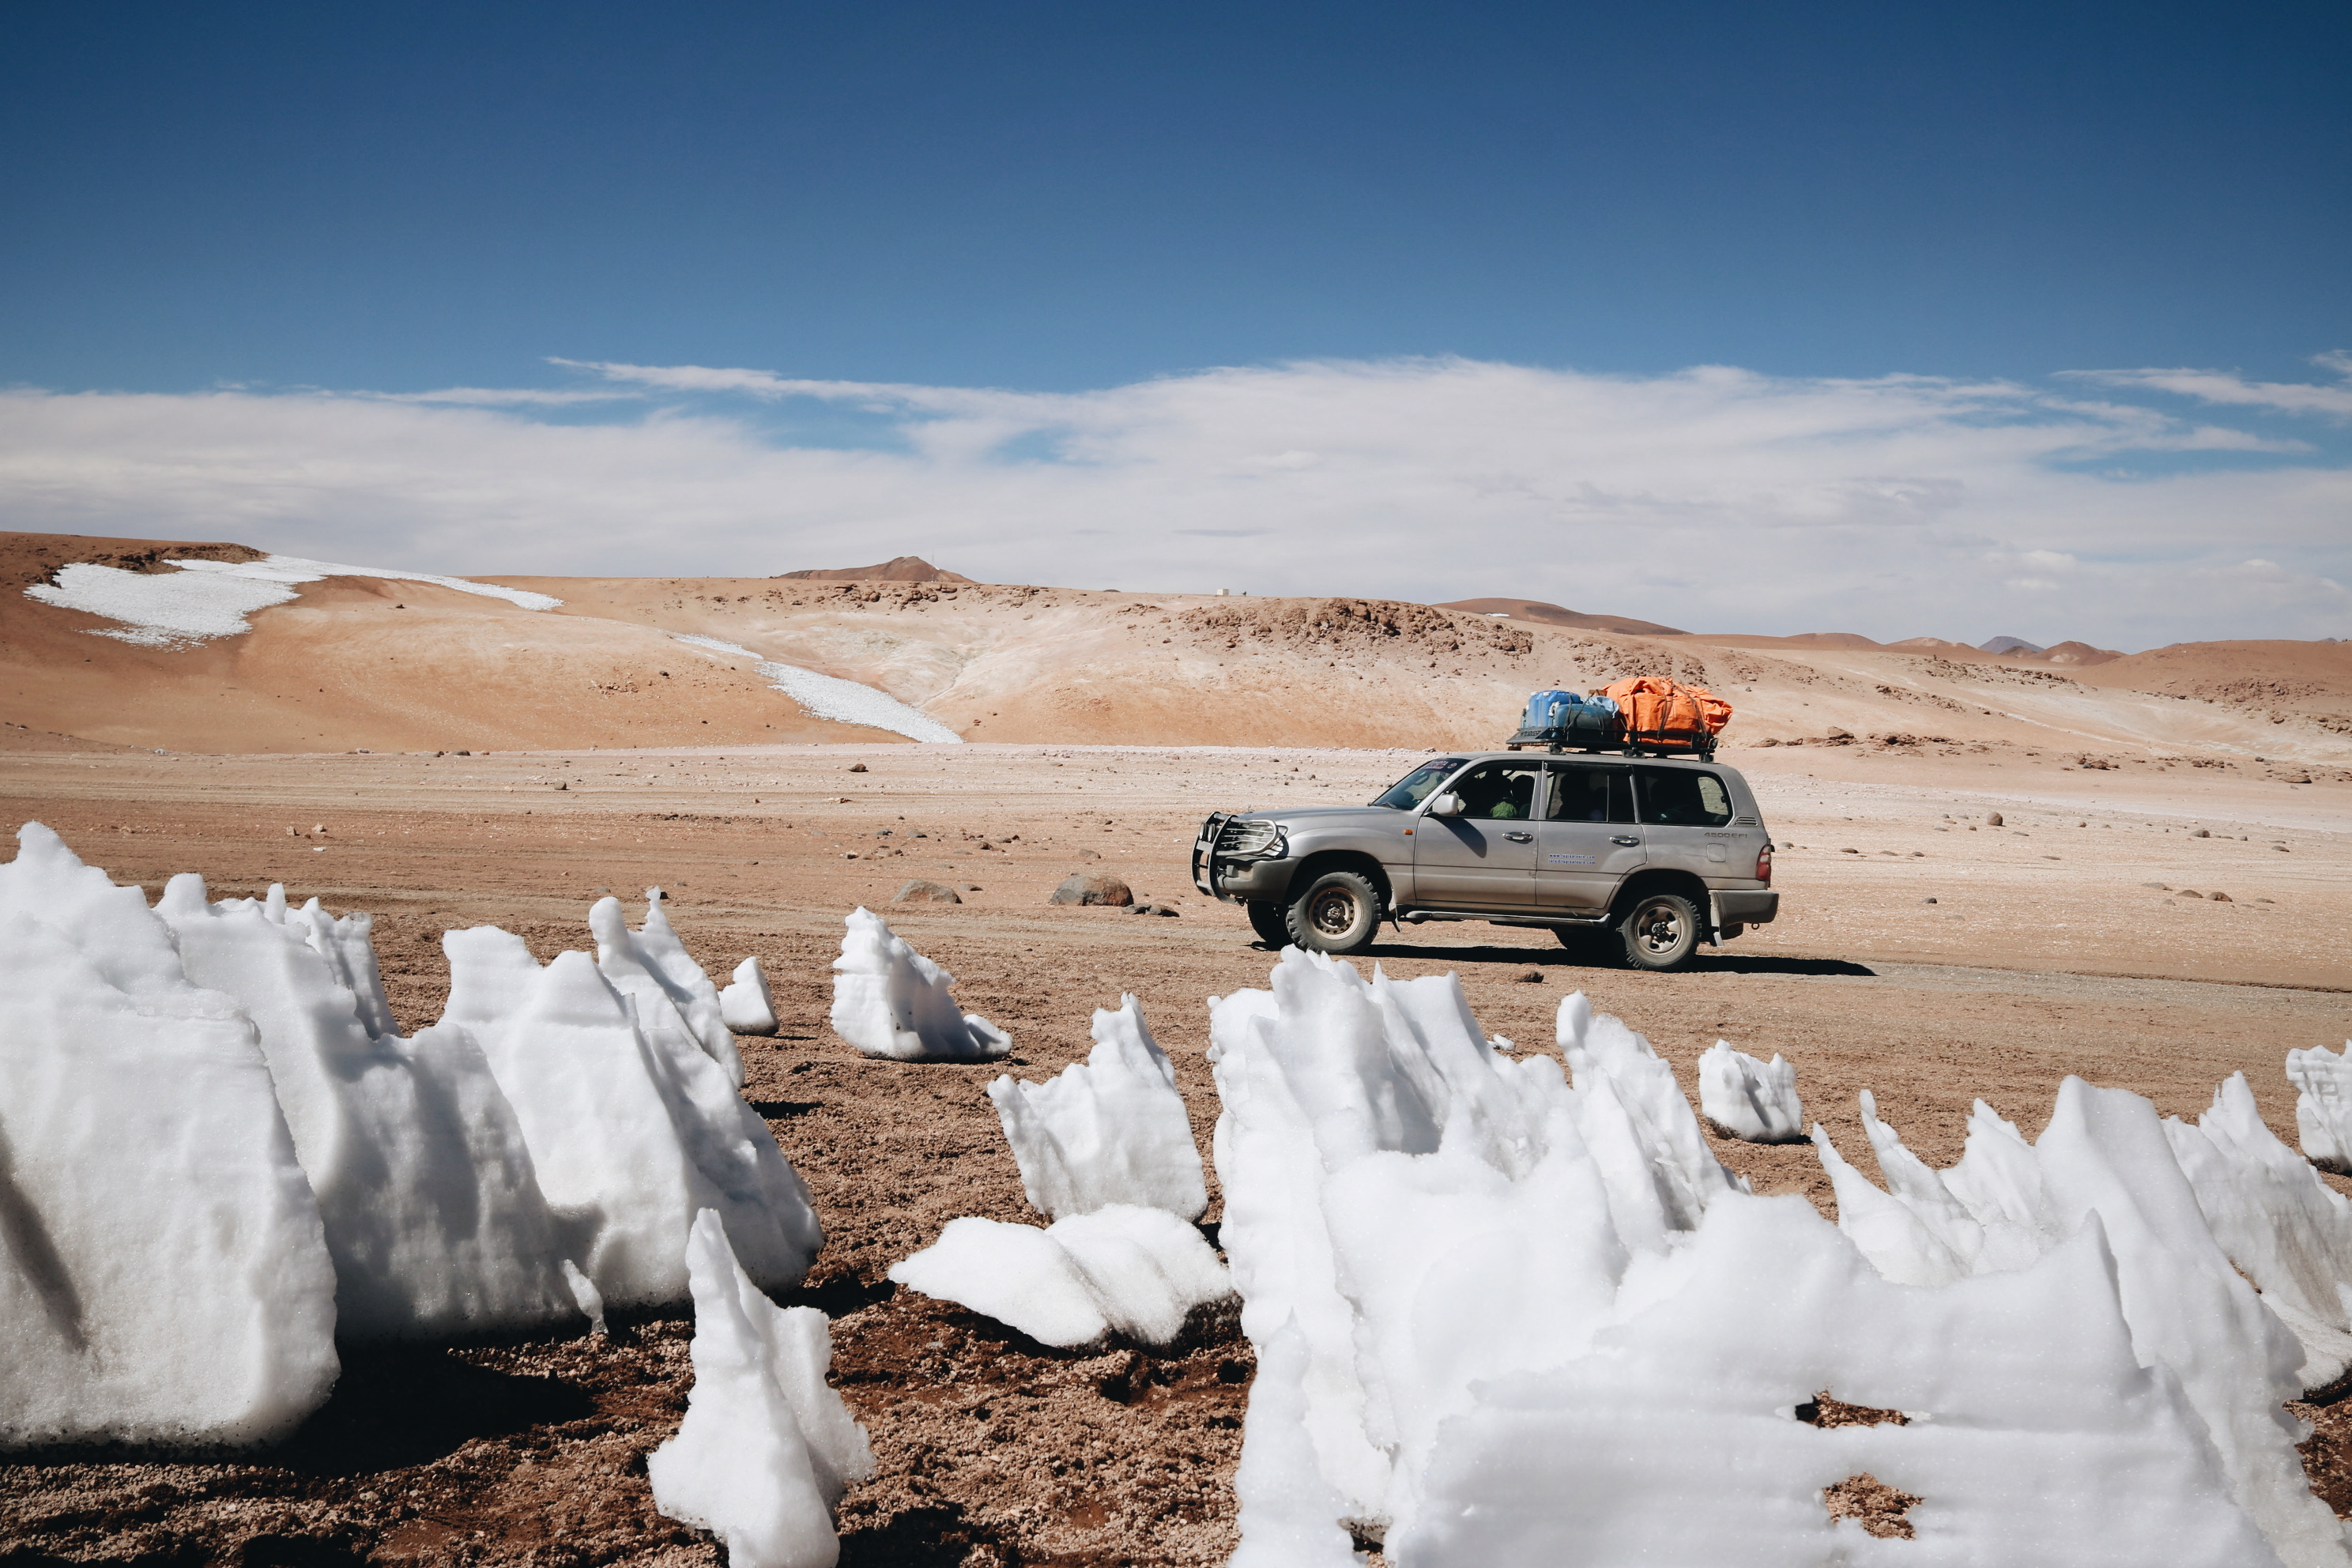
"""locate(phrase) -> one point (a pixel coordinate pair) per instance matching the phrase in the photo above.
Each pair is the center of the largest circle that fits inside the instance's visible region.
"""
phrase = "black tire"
(1265, 918)
(1339, 911)
(1661, 930)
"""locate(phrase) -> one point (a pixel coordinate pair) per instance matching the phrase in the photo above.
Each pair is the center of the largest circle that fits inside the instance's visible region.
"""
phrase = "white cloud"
(1712, 498)
(2227, 387)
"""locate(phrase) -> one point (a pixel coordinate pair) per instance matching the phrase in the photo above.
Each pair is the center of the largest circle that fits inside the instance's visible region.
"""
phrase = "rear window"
(1677, 797)
(1414, 788)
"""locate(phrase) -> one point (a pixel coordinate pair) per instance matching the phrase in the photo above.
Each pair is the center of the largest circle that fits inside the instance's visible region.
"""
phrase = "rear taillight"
(1764, 864)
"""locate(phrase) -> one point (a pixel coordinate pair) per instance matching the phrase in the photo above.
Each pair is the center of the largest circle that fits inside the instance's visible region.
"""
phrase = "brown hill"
(899, 569)
(1558, 615)
(359, 662)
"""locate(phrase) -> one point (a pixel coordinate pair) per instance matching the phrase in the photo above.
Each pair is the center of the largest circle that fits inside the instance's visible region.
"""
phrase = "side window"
(1673, 797)
(1499, 792)
(1583, 794)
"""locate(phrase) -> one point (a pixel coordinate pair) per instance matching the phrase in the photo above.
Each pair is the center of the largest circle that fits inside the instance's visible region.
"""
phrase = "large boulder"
(1092, 887)
(922, 892)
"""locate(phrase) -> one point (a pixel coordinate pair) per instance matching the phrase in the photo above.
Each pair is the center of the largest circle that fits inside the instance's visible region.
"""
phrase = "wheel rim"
(1332, 912)
(1658, 929)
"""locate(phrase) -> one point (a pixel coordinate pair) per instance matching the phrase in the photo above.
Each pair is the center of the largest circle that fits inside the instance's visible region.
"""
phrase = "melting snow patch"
(746, 1004)
(206, 599)
(1138, 1271)
(766, 1447)
(1748, 1100)
(829, 697)
(1109, 1130)
(164, 1275)
(890, 1001)
(2323, 1105)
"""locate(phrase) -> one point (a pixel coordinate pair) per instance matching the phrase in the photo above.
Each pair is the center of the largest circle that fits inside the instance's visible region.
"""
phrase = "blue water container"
(1548, 709)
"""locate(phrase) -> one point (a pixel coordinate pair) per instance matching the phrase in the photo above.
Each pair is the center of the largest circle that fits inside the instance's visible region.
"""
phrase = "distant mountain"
(903, 569)
(1833, 639)
(2010, 644)
(1934, 645)
(1560, 615)
(2078, 653)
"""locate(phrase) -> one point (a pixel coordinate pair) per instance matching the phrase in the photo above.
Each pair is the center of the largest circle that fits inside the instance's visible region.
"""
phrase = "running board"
(1492, 919)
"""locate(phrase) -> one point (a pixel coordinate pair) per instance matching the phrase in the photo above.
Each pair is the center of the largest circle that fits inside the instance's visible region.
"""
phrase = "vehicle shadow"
(1597, 956)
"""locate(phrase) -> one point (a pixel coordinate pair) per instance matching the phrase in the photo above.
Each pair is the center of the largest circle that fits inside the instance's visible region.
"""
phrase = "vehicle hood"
(1324, 815)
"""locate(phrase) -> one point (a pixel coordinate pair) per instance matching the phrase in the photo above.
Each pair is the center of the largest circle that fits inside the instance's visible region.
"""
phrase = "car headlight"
(1255, 840)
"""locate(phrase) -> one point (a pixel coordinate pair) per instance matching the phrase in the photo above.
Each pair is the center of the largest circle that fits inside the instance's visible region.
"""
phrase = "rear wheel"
(1265, 918)
(1661, 930)
(1339, 911)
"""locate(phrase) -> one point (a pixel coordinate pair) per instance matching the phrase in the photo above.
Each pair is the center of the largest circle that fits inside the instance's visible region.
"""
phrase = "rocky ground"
(2050, 949)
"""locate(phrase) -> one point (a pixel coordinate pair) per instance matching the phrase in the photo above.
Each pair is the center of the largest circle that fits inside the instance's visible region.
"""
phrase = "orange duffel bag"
(1666, 715)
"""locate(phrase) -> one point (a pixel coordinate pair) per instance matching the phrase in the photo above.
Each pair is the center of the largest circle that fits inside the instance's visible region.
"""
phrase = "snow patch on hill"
(208, 599)
(830, 697)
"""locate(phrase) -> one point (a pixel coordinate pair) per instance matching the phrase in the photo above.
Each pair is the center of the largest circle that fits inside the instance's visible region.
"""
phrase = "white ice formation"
(830, 697)
(1750, 1100)
(433, 1213)
(632, 1125)
(1496, 1314)
(672, 995)
(890, 1001)
(745, 1004)
(1134, 1271)
(2284, 1228)
(163, 1274)
(208, 599)
(2009, 1204)
(2323, 1105)
(1112, 1130)
(766, 1447)
(216, 1157)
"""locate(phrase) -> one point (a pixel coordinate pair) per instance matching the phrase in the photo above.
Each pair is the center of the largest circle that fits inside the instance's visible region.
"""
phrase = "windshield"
(1414, 788)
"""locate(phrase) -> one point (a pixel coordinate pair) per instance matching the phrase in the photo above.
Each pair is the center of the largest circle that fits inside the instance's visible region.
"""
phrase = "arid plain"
(1924, 954)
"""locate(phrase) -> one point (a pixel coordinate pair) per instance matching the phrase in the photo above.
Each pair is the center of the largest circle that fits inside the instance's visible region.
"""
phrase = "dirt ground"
(2058, 942)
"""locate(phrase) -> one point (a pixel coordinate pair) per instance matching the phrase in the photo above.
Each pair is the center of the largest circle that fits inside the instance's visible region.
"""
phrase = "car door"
(1484, 858)
(1588, 842)
(1683, 812)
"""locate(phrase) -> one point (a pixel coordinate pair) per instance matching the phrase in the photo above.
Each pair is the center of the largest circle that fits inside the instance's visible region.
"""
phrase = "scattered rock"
(2189, 893)
(1149, 909)
(2220, 897)
(2280, 848)
(855, 768)
(2201, 833)
(1532, 978)
(2159, 886)
(1837, 734)
(1849, 851)
(1926, 900)
(1089, 855)
(922, 892)
(1992, 819)
(1092, 887)
(968, 887)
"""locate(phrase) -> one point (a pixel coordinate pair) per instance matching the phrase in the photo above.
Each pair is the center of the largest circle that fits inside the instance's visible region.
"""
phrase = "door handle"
(1625, 838)
(1521, 838)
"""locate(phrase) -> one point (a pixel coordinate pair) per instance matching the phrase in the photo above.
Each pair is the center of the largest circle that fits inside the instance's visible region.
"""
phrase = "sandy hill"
(1558, 616)
(898, 569)
(353, 661)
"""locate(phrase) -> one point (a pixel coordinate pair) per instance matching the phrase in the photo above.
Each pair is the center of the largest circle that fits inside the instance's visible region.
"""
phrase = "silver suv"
(1659, 854)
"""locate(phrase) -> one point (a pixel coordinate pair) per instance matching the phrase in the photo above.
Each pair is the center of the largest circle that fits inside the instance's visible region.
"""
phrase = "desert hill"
(1558, 616)
(351, 661)
(898, 569)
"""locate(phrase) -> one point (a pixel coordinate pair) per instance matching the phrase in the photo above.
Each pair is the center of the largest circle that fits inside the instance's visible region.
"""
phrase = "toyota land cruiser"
(1657, 852)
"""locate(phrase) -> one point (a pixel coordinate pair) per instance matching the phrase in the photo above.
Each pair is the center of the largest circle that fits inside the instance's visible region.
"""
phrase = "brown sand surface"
(2044, 955)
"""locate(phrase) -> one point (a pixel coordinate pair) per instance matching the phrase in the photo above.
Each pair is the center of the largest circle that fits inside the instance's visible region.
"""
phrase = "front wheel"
(1660, 931)
(1267, 919)
(1337, 913)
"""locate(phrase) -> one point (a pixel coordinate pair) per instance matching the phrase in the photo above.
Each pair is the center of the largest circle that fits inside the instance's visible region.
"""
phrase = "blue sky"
(327, 202)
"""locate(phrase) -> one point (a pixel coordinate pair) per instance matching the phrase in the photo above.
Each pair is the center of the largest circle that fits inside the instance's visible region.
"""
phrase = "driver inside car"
(1498, 793)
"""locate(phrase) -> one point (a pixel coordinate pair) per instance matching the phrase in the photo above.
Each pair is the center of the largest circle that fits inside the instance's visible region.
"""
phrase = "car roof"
(1535, 756)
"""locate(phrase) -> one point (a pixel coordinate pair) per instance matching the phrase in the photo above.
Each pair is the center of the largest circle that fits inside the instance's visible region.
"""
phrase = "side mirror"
(1445, 806)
